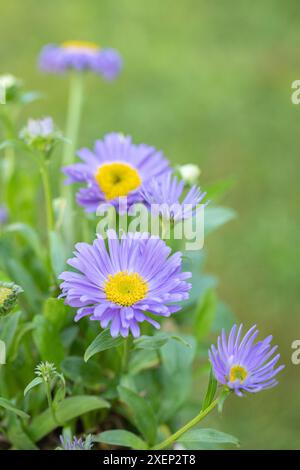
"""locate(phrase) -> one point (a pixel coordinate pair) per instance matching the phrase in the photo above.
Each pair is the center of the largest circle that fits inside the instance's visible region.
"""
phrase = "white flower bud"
(189, 173)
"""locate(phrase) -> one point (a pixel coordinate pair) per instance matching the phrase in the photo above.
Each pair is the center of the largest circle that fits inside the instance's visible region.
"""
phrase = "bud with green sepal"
(8, 296)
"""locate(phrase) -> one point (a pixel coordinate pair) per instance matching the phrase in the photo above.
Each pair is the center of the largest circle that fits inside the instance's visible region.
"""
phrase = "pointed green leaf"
(67, 409)
(121, 438)
(102, 342)
(4, 403)
(141, 413)
(34, 383)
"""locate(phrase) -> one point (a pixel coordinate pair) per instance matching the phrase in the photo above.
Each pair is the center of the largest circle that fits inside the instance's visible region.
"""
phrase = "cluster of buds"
(45, 370)
(8, 296)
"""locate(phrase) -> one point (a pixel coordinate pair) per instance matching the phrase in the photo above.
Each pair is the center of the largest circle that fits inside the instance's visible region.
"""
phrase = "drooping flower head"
(40, 134)
(115, 168)
(80, 55)
(119, 286)
(8, 296)
(76, 443)
(167, 193)
(242, 364)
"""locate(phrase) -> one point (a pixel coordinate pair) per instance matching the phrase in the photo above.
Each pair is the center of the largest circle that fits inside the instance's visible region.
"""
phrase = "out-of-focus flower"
(115, 168)
(46, 370)
(76, 443)
(3, 215)
(80, 55)
(165, 196)
(8, 296)
(40, 134)
(189, 173)
(243, 365)
(10, 87)
(137, 275)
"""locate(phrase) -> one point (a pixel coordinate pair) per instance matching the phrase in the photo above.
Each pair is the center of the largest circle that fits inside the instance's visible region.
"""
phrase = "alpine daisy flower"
(116, 168)
(120, 286)
(241, 364)
(165, 195)
(80, 55)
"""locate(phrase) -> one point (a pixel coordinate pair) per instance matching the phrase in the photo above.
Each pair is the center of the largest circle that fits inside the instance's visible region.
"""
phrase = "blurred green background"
(210, 83)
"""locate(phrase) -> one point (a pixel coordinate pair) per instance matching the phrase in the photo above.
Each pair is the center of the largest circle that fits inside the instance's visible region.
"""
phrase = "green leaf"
(56, 312)
(17, 436)
(102, 342)
(28, 234)
(8, 330)
(121, 438)
(67, 409)
(4, 403)
(215, 217)
(216, 190)
(211, 390)
(141, 360)
(157, 341)
(210, 436)
(47, 340)
(76, 369)
(141, 413)
(20, 333)
(36, 381)
(205, 314)
(175, 376)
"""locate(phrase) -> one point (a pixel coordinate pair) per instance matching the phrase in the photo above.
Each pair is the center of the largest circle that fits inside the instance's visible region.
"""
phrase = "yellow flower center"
(80, 45)
(238, 373)
(117, 179)
(4, 294)
(125, 288)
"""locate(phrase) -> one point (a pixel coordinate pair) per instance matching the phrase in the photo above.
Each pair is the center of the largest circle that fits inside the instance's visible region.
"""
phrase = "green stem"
(174, 437)
(72, 127)
(47, 195)
(50, 402)
(125, 357)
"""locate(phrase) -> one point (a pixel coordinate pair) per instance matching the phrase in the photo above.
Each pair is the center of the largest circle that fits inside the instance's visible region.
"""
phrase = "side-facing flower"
(115, 168)
(8, 296)
(76, 443)
(80, 55)
(40, 134)
(165, 196)
(243, 365)
(119, 286)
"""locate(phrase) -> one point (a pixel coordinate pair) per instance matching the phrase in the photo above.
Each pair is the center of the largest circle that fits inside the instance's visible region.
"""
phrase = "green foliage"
(121, 438)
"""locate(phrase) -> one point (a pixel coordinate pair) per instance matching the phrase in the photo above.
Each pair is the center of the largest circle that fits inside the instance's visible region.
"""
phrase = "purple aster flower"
(243, 365)
(80, 55)
(120, 286)
(165, 196)
(76, 443)
(116, 168)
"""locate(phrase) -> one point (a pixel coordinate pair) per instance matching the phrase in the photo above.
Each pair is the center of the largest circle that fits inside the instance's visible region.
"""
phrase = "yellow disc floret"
(238, 373)
(80, 45)
(125, 288)
(117, 179)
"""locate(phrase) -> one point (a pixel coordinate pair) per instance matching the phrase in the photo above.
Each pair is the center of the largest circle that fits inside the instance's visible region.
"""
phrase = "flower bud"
(40, 134)
(10, 88)
(8, 296)
(189, 173)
